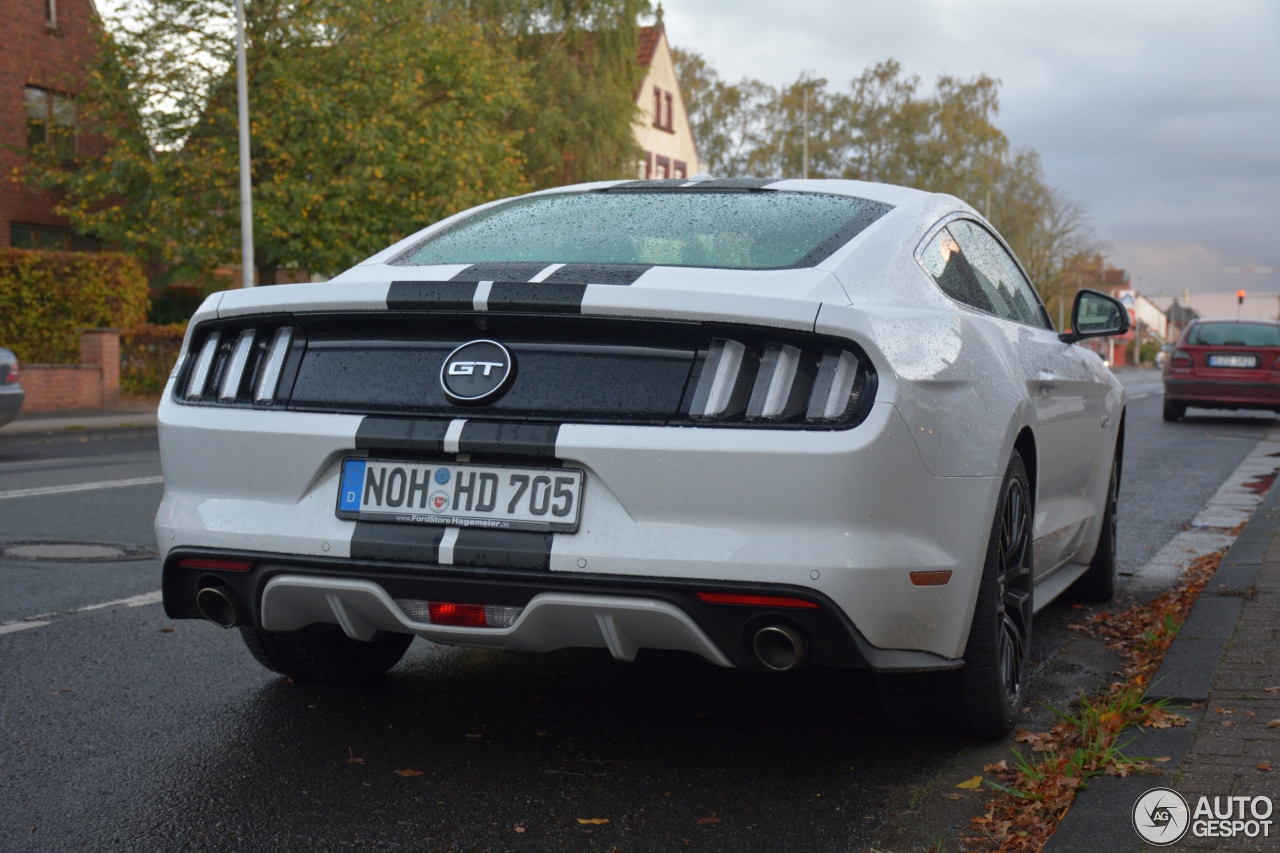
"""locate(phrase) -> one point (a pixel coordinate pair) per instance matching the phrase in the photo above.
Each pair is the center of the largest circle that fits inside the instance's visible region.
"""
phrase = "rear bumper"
(559, 610)
(1225, 394)
(11, 399)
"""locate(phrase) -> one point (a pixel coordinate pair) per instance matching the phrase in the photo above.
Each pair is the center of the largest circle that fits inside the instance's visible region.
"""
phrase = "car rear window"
(1234, 335)
(730, 230)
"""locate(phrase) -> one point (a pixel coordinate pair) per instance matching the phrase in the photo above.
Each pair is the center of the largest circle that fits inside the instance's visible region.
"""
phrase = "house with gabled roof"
(663, 132)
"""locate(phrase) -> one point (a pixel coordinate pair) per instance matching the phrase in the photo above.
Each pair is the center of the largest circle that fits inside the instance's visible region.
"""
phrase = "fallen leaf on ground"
(971, 784)
(519, 829)
(1264, 767)
(351, 757)
(593, 821)
(1271, 690)
(408, 773)
(953, 796)
(1162, 759)
(1221, 710)
(703, 821)
(1274, 724)
(1000, 766)
(166, 630)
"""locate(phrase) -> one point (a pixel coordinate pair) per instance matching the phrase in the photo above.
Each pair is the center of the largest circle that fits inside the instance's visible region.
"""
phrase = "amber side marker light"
(219, 565)
(931, 578)
(756, 600)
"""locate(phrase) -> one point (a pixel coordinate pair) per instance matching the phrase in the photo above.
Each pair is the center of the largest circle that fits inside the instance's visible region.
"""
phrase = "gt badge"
(477, 372)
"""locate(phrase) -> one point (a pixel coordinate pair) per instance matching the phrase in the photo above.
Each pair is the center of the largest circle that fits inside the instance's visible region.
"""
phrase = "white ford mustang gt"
(772, 423)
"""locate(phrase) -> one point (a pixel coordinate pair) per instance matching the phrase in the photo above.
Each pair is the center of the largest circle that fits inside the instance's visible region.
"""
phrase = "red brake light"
(212, 563)
(462, 615)
(13, 373)
(757, 600)
(1181, 359)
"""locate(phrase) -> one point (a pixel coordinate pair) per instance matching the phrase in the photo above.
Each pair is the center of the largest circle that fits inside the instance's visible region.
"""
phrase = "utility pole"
(246, 185)
(806, 86)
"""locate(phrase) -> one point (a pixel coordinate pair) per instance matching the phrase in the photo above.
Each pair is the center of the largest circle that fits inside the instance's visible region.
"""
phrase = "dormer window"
(51, 13)
(670, 123)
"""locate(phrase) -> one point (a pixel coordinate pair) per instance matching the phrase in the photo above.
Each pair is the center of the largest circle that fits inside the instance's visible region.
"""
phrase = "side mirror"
(1095, 315)
(1167, 348)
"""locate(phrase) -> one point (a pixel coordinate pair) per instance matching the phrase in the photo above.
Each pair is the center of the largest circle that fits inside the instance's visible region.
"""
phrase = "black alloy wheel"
(1013, 594)
(1098, 584)
(983, 698)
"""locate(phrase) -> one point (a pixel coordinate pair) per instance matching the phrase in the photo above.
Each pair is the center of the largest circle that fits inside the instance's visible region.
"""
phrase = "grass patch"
(1036, 791)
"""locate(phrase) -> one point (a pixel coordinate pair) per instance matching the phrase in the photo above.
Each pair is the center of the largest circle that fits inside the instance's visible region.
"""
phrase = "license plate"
(1233, 361)
(488, 496)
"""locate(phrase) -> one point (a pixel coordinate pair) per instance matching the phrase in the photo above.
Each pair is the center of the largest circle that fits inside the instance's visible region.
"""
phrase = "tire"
(1098, 584)
(1173, 410)
(983, 698)
(325, 654)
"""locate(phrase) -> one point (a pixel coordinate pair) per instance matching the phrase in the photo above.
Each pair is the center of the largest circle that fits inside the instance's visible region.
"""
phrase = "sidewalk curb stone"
(1101, 818)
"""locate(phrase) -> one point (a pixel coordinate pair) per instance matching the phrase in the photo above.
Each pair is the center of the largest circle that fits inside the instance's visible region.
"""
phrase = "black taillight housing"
(247, 364)
(1181, 360)
(778, 383)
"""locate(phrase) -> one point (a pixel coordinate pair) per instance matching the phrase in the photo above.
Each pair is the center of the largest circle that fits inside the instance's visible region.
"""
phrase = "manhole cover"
(74, 552)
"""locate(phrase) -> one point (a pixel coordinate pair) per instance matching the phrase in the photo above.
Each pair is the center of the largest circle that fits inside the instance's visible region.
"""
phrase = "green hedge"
(46, 298)
(147, 355)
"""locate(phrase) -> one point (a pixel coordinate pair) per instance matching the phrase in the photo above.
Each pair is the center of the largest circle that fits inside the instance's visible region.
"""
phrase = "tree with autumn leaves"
(370, 119)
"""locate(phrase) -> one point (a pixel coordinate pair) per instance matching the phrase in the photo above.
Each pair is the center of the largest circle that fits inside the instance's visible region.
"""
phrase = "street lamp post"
(246, 185)
(806, 86)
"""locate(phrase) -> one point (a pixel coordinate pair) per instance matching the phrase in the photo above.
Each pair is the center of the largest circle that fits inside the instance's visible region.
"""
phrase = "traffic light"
(1239, 297)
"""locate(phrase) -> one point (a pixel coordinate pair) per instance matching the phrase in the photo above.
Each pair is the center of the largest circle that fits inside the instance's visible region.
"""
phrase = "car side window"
(998, 274)
(944, 261)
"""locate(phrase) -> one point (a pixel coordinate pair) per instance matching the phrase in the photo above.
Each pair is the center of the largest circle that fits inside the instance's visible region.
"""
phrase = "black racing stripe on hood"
(443, 295)
(407, 543)
(513, 271)
(537, 297)
(598, 274)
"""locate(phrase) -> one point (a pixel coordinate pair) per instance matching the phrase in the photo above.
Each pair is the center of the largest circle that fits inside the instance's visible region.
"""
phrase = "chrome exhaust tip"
(219, 606)
(778, 647)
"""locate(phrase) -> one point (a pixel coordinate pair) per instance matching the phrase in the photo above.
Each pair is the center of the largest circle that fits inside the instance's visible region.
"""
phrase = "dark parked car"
(11, 394)
(1224, 364)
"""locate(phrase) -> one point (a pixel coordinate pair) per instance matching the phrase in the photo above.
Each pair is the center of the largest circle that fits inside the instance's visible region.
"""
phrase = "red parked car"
(1224, 364)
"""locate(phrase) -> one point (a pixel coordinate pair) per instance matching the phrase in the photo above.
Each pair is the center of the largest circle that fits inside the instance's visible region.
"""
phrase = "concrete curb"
(1101, 817)
(77, 424)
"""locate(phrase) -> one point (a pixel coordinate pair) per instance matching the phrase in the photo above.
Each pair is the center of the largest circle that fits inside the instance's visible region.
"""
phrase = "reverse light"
(215, 564)
(784, 379)
(204, 364)
(756, 600)
(459, 615)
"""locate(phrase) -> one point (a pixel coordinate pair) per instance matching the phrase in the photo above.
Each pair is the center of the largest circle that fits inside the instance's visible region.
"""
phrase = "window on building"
(662, 167)
(670, 122)
(657, 107)
(51, 13)
(679, 169)
(645, 166)
(50, 238)
(51, 120)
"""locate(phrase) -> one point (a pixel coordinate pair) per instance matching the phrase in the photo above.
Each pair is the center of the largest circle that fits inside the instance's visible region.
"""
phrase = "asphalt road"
(121, 730)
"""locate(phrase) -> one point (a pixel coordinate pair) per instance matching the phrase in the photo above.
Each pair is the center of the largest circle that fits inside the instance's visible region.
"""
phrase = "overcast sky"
(1162, 117)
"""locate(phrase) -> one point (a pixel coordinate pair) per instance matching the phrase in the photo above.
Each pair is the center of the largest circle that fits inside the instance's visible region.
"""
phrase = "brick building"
(47, 44)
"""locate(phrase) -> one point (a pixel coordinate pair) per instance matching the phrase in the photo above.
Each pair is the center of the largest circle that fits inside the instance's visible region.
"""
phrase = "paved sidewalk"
(119, 417)
(1226, 656)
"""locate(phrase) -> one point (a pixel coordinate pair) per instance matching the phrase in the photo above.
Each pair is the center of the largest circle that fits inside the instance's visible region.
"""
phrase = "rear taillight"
(239, 367)
(11, 374)
(459, 615)
(756, 600)
(215, 564)
(1181, 360)
(1276, 365)
(784, 383)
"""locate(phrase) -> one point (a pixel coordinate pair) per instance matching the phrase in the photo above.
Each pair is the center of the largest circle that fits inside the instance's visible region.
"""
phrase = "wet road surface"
(117, 734)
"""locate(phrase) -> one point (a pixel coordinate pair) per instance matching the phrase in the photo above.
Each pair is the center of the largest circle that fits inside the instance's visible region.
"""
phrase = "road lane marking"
(133, 601)
(36, 463)
(40, 491)
(14, 627)
(153, 597)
